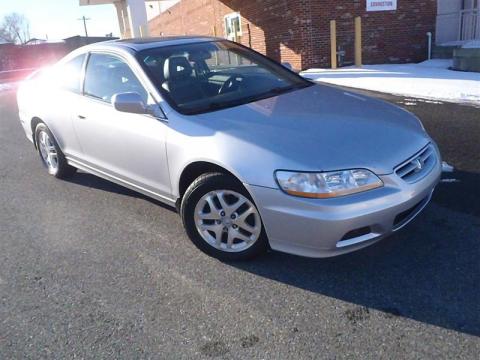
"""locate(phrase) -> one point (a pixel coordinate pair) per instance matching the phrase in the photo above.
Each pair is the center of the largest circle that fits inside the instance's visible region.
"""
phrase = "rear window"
(70, 74)
(66, 76)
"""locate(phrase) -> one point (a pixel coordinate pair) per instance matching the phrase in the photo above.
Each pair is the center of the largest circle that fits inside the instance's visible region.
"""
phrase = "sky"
(57, 19)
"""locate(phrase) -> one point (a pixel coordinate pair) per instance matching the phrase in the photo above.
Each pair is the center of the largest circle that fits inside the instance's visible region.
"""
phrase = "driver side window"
(107, 75)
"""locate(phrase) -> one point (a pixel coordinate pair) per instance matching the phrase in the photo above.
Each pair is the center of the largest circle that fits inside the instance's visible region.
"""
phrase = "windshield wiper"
(212, 106)
(209, 107)
(281, 90)
(215, 106)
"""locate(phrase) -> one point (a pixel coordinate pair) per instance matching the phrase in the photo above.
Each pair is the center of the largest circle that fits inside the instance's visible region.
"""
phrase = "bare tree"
(15, 28)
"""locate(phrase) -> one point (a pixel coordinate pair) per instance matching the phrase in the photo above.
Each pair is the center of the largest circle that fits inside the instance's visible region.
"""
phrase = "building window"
(233, 28)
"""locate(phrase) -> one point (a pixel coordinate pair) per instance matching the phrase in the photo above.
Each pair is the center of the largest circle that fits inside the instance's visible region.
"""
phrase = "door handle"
(81, 117)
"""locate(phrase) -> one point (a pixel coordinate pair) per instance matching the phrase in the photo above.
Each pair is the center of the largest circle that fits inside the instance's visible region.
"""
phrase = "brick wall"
(274, 20)
(388, 36)
(297, 31)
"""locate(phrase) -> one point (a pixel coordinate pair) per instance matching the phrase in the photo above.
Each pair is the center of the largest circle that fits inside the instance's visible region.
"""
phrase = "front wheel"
(50, 153)
(221, 219)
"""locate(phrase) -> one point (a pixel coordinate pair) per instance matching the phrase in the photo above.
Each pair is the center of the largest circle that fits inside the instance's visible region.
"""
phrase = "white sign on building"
(381, 5)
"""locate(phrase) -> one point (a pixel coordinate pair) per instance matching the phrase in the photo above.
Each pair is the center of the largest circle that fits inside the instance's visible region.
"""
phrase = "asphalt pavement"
(89, 269)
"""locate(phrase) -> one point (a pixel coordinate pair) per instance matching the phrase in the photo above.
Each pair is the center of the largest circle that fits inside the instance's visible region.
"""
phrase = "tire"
(241, 231)
(50, 153)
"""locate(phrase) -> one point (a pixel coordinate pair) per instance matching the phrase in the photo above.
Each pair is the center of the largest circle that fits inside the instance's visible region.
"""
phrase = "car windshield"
(207, 76)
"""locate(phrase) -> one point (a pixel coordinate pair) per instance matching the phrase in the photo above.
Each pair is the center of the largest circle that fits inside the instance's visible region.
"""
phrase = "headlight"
(327, 184)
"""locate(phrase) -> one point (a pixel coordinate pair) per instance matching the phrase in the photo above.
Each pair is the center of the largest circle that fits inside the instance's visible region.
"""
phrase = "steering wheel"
(231, 84)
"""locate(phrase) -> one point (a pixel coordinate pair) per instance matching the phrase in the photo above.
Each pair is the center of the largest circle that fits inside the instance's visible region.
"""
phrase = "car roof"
(139, 44)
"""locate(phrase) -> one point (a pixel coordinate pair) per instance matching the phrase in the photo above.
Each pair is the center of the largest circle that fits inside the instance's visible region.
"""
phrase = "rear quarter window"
(69, 74)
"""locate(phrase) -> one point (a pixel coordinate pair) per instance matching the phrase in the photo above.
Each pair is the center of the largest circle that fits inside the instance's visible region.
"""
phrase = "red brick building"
(297, 31)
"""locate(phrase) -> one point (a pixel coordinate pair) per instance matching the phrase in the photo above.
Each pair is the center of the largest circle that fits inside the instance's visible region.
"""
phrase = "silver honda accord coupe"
(252, 155)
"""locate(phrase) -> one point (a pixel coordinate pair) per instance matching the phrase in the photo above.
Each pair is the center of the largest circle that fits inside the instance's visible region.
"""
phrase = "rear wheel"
(221, 219)
(50, 154)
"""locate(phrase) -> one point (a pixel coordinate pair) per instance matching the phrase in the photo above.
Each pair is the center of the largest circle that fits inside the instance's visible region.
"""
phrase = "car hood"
(319, 128)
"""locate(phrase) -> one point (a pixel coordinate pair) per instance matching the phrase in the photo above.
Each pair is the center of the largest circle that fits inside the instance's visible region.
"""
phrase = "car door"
(61, 93)
(128, 147)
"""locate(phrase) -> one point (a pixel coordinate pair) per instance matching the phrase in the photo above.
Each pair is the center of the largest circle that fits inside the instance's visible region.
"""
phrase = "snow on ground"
(474, 44)
(466, 44)
(8, 86)
(428, 80)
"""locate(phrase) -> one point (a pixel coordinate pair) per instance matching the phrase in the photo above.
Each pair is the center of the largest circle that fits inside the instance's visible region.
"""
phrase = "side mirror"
(287, 65)
(130, 102)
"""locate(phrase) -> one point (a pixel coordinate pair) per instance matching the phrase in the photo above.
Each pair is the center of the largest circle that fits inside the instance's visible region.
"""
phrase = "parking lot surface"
(89, 269)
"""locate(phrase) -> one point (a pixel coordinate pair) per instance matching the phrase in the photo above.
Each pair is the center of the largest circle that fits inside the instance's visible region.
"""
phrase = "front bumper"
(330, 227)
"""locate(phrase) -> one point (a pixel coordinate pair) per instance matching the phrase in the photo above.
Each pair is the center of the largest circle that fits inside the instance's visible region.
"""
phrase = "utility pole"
(84, 19)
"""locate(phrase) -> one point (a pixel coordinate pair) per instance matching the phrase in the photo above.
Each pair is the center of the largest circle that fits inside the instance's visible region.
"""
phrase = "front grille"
(417, 166)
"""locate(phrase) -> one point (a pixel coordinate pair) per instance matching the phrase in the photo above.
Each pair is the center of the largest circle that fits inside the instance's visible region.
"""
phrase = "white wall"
(165, 4)
(137, 15)
(153, 9)
(156, 7)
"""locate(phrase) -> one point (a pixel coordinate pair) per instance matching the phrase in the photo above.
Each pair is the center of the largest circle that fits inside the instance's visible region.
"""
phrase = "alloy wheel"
(227, 220)
(48, 152)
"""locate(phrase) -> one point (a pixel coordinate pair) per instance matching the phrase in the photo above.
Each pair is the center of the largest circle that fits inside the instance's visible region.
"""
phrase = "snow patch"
(435, 64)
(8, 86)
(474, 44)
(450, 181)
(446, 167)
(430, 101)
(431, 80)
